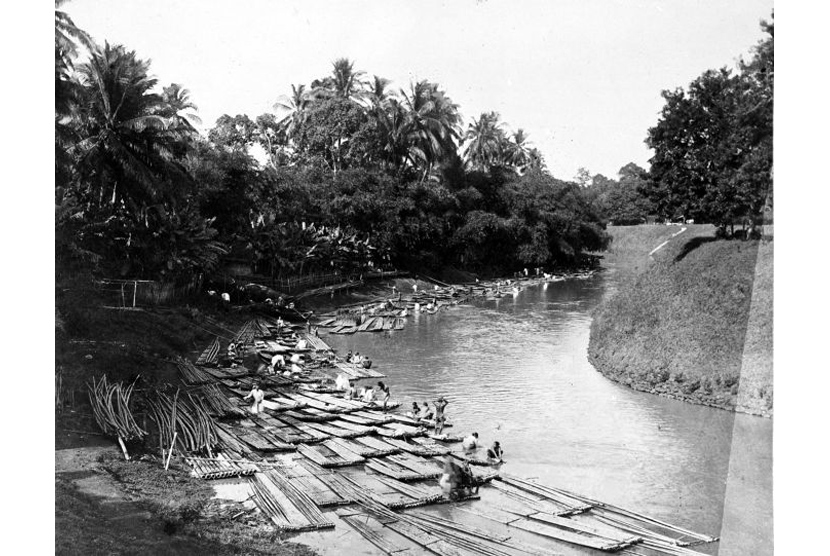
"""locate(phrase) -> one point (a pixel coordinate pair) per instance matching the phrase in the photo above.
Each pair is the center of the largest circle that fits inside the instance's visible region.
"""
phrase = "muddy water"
(516, 370)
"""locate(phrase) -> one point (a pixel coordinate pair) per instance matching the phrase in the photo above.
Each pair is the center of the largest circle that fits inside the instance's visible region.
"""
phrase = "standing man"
(440, 404)
(258, 395)
(384, 393)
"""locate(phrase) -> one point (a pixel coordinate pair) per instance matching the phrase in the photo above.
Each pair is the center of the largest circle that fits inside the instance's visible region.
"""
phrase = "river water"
(516, 370)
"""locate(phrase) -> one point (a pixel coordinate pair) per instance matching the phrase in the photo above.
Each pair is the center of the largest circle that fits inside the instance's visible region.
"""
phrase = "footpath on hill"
(691, 320)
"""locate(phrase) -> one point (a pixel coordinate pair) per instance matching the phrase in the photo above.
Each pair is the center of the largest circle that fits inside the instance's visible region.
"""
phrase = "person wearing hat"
(258, 396)
(440, 404)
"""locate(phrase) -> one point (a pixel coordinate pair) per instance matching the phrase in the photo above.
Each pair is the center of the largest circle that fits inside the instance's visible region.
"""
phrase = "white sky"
(582, 77)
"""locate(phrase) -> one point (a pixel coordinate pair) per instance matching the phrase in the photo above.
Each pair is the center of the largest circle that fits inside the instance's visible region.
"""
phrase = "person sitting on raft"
(351, 392)
(366, 363)
(233, 356)
(426, 413)
(368, 395)
(277, 362)
(349, 357)
(358, 359)
(495, 453)
(456, 478)
(470, 442)
(301, 344)
(415, 411)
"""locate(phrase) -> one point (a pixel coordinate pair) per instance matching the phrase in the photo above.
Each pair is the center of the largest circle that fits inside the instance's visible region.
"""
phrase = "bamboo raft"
(347, 451)
(210, 356)
(329, 455)
(288, 507)
(220, 467)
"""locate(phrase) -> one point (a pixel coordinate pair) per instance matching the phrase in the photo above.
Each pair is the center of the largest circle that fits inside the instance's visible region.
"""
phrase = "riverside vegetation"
(352, 175)
(693, 324)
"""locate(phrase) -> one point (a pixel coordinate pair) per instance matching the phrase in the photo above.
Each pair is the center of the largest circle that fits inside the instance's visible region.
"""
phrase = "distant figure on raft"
(383, 392)
(258, 396)
(440, 405)
(456, 479)
(495, 453)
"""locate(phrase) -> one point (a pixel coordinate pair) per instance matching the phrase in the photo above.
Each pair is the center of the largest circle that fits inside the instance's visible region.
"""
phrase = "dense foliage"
(352, 175)
(713, 144)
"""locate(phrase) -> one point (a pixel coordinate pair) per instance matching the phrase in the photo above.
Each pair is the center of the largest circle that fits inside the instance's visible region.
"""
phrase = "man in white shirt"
(471, 442)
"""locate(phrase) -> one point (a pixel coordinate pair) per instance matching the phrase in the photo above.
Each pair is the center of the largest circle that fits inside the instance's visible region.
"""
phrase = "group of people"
(495, 454)
(359, 360)
(286, 368)
(425, 415)
(366, 394)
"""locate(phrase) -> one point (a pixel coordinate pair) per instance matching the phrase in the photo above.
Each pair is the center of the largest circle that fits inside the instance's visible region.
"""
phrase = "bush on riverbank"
(683, 328)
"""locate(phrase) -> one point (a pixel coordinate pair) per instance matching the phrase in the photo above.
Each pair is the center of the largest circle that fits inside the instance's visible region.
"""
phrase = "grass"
(680, 325)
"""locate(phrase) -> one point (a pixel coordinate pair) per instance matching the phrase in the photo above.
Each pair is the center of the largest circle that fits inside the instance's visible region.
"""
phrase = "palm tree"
(132, 135)
(344, 82)
(393, 125)
(67, 39)
(178, 101)
(68, 35)
(294, 108)
(485, 138)
(516, 151)
(378, 92)
(432, 127)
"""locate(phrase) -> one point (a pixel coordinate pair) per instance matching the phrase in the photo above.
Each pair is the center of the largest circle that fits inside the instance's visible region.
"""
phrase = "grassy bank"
(693, 322)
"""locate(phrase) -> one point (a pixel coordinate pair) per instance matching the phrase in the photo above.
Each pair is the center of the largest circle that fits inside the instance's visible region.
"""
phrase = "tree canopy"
(713, 144)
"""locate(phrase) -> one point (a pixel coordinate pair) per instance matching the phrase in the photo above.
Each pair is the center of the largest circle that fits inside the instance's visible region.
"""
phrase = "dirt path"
(674, 235)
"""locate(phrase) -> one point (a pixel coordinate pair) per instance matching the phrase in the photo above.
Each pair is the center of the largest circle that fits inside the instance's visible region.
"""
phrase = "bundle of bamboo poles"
(622, 519)
(191, 373)
(183, 421)
(111, 408)
(220, 467)
(210, 355)
(216, 402)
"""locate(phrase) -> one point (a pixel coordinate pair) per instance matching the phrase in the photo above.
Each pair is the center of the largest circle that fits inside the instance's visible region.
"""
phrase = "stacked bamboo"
(192, 374)
(655, 534)
(211, 354)
(111, 408)
(220, 467)
(285, 505)
(186, 418)
(216, 402)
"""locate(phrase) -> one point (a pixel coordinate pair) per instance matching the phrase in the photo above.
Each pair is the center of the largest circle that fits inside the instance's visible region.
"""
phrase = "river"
(516, 370)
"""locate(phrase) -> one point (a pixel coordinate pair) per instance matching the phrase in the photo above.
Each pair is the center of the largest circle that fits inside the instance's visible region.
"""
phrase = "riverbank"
(692, 321)
(98, 495)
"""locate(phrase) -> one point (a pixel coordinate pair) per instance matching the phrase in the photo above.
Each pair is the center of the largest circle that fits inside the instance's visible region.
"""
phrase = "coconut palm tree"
(379, 93)
(432, 127)
(393, 124)
(178, 102)
(516, 151)
(294, 108)
(344, 82)
(485, 139)
(68, 35)
(131, 134)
